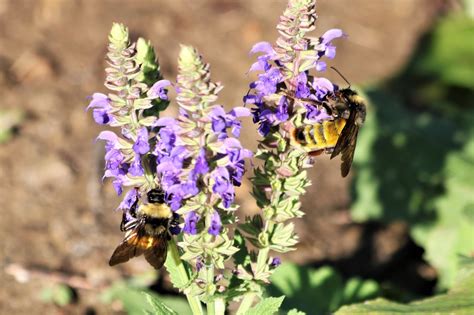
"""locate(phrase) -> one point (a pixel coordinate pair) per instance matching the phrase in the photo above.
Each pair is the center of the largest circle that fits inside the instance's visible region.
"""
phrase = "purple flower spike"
(142, 146)
(158, 90)
(216, 224)
(190, 223)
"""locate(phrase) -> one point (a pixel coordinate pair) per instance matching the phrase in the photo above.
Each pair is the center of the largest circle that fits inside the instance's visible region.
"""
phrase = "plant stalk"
(193, 301)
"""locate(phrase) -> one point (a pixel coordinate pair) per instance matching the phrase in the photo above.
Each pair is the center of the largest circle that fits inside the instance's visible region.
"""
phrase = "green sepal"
(118, 36)
(148, 121)
(142, 103)
(146, 58)
(283, 238)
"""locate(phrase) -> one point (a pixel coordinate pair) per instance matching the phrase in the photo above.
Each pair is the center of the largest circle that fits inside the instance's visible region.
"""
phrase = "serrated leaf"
(268, 306)
(459, 300)
(295, 312)
(301, 286)
(134, 298)
(158, 306)
(412, 167)
(175, 266)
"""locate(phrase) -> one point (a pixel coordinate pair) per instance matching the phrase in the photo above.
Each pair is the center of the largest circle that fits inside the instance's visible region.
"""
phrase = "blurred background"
(397, 227)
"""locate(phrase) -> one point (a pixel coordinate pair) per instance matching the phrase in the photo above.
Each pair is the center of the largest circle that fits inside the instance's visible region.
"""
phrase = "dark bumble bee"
(337, 136)
(347, 103)
(147, 231)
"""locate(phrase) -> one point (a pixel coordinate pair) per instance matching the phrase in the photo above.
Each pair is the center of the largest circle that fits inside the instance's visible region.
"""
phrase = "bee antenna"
(342, 76)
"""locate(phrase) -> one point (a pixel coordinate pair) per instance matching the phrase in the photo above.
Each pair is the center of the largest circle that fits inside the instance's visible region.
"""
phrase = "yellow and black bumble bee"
(337, 136)
(147, 231)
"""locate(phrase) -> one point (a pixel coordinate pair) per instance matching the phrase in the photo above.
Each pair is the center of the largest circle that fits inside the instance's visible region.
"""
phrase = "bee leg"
(316, 153)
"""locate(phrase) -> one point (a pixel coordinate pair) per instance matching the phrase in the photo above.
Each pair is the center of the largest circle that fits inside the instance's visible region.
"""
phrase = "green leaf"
(179, 276)
(459, 300)
(133, 296)
(453, 233)
(158, 306)
(295, 312)
(451, 52)
(118, 36)
(59, 294)
(9, 119)
(317, 291)
(418, 168)
(268, 306)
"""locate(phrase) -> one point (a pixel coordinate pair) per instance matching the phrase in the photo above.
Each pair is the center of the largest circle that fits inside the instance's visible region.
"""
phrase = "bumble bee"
(147, 231)
(334, 136)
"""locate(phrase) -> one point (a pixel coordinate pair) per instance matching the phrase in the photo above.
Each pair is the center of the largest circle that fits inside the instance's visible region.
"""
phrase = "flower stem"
(219, 306)
(246, 303)
(183, 275)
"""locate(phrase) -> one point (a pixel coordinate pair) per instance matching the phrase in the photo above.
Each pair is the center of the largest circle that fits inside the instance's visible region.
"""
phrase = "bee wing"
(156, 255)
(135, 244)
(346, 144)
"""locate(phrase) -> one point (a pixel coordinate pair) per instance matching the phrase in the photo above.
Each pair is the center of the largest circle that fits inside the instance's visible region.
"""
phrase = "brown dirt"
(57, 216)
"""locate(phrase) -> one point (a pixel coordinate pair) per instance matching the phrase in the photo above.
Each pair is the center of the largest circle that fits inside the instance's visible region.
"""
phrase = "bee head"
(156, 196)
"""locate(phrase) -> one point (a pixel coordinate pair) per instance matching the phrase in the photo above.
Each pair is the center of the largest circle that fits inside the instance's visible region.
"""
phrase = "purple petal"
(141, 146)
(257, 66)
(129, 199)
(216, 224)
(217, 111)
(320, 66)
(330, 51)
(101, 116)
(165, 122)
(265, 47)
(107, 136)
(190, 223)
(240, 112)
(158, 91)
(99, 100)
(331, 34)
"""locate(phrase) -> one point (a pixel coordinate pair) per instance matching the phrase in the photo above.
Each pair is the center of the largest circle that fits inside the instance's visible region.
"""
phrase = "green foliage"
(9, 119)
(179, 276)
(295, 312)
(459, 300)
(137, 299)
(268, 306)
(317, 291)
(450, 58)
(417, 166)
(158, 306)
(59, 294)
